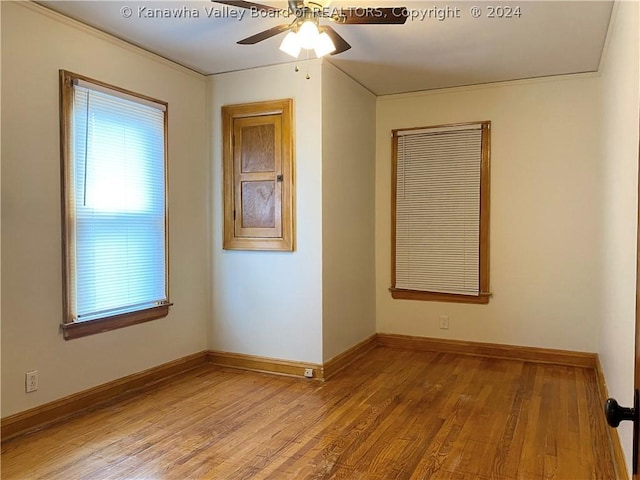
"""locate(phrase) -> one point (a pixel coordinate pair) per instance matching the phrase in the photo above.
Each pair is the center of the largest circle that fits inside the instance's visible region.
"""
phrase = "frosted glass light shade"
(324, 45)
(308, 35)
(291, 44)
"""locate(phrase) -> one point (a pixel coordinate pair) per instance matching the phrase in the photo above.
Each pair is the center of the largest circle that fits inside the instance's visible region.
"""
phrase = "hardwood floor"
(395, 414)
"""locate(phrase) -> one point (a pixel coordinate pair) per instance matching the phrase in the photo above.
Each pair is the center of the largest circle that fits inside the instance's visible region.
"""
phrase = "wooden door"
(258, 176)
(257, 166)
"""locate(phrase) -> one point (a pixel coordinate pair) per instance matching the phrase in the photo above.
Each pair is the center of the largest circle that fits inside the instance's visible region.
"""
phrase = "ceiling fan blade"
(371, 16)
(251, 5)
(258, 37)
(340, 43)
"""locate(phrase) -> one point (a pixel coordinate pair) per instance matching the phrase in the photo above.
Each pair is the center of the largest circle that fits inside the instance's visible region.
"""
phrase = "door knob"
(616, 414)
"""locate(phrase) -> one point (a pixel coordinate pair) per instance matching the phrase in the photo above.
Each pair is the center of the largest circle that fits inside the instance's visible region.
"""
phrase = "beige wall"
(545, 213)
(316, 302)
(35, 45)
(619, 177)
(348, 222)
(270, 303)
(563, 218)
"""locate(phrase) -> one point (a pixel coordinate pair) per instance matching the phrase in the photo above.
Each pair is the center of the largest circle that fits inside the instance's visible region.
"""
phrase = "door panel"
(616, 413)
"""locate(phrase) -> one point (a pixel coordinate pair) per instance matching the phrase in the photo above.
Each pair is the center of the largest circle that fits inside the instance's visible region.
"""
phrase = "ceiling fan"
(305, 30)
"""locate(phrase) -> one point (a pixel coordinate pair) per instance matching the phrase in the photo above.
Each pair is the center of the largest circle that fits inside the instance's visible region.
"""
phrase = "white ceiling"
(548, 38)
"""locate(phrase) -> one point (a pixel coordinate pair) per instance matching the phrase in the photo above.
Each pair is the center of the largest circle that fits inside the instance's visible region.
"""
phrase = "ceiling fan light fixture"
(291, 44)
(308, 35)
(324, 45)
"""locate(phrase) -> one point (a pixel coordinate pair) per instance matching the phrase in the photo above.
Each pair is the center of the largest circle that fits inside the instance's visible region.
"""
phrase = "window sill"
(91, 327)
(401, 294)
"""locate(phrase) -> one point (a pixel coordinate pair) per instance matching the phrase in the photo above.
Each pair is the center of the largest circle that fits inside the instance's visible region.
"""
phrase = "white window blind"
(117, 205)
(437, 228)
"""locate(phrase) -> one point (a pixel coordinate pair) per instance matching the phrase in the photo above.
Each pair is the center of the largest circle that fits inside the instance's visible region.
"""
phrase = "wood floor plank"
(395, 414)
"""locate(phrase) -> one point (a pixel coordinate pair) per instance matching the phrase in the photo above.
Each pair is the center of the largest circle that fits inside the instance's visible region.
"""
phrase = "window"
(440, 213)
(258, 176)
(113, 146)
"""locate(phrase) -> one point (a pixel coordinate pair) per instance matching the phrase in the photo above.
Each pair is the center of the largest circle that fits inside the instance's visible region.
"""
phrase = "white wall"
(620, 112)
(35, 45)
(545, 213)
(270, 303)
(348, 220)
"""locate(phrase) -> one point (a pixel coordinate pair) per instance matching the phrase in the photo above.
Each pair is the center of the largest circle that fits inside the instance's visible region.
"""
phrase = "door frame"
(636, 374)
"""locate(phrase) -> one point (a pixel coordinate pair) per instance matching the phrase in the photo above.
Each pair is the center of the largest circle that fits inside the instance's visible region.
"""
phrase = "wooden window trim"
(230, 112)
(399, 293)
(101, 325)
(485, 199)
(70, 328)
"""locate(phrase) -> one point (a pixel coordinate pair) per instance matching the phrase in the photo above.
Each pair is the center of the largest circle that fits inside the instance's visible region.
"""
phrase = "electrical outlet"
(308, 372)
(444, 322)
(31, 381)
